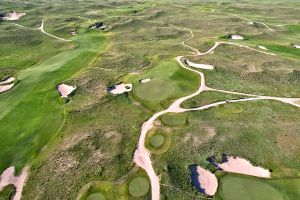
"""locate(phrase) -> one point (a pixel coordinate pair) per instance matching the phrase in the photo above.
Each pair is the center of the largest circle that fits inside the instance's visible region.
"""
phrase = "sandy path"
(8, 178)
(142, 155)
(41, 28)
(270, 29)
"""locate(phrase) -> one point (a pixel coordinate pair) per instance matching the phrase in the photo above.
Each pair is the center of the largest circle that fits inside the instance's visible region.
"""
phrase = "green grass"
(7, 193)
(168, 81)
(157, 140)
(234, 187)
(139, 187)
(34, 101)
(96, 196)
(174, 119)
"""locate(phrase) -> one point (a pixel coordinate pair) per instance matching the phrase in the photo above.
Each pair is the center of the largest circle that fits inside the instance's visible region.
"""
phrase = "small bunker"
(7, 84)
(11, 16)
(98, 25)
(236, 37)
(65, 90)
(120, 88)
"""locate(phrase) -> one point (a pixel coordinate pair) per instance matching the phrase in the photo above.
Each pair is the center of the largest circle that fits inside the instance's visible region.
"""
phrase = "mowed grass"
(139, 186)
(32, 111)
(236, 187)
(168, 81)
(174, 119)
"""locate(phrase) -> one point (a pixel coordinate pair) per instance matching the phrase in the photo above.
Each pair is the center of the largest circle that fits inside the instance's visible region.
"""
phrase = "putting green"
(157, 140)
(174, 119)
(139, 186)
(246, 188)
(96, 196)
(155, 90)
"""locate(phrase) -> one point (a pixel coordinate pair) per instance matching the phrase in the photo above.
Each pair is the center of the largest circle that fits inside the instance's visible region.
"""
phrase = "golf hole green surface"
(157, 140)
(139, 186)
(154, 91)
(237, 188)
(96, 196)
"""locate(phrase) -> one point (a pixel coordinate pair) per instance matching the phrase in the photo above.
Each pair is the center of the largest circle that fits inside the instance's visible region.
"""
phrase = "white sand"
(13, 16)
(65, 90)
(4, 88)
(242, 166)
(8, 178)
(121, 88)
(145, 80)
(200, 66)
(207, 181)
(296, 46)
(236, 37)
(262, 47)
(7, 81)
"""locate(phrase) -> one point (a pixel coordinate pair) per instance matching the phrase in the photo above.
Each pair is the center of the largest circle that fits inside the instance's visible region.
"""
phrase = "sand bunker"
(262, 47)
(12, 16)
(65, 90)
(8, 178)
(296, 46)
(200, 66)
(7, 84)
(145, 80)
(205, 181)
(242, 166)
(120, 88)
(236, 37)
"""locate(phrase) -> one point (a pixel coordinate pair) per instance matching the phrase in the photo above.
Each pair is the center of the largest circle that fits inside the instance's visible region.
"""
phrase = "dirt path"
(142, 155)
(41, 28)
(265, 25)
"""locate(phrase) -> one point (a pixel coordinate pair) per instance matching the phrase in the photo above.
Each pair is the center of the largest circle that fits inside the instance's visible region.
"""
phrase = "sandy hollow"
(205, 181)
(200, 66)
(243, 166)
(65, 90)
(8, 178)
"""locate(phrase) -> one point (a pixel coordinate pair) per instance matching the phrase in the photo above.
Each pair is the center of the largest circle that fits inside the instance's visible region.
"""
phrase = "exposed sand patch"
(120, 88)
(12, 16)
(296, 46)
(243, 166)
(146, 80)
(7, 81)
(205, 181)
(65, 90)
(200, 66)
(262, 47)
(8, 178)
(236, 37)
(4, 88)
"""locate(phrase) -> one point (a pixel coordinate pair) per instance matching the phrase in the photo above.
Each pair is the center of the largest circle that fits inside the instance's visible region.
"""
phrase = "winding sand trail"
(41, 28)
(142, 154)
(265, 25)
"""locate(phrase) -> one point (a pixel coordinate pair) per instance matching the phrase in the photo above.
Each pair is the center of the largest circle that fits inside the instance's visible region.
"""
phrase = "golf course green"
(236, 187)
(139, 186)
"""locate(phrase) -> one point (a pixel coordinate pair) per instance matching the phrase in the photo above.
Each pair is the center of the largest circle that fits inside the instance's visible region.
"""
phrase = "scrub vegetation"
(83, 148)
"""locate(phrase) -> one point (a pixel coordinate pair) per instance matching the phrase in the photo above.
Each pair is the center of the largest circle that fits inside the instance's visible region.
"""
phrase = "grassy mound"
(8, 192)
(157, 140)
(234, 187)
(174, 119)
(96, 196)
(155, 90)
(139, 186)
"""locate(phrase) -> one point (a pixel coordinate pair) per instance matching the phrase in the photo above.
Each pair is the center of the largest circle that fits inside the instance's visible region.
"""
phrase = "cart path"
(142, 156)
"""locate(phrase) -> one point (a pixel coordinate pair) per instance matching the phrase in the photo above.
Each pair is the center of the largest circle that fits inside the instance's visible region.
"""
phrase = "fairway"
(34, 101)
(174, 119)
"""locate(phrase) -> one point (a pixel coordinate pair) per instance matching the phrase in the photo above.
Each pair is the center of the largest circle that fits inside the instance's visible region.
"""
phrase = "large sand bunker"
(120, 88)
(296, 46)
(7, 84)
(8, 178)
(12, 16)
(242, 166)
(200, 66)
(205, 181)
(65, 90)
